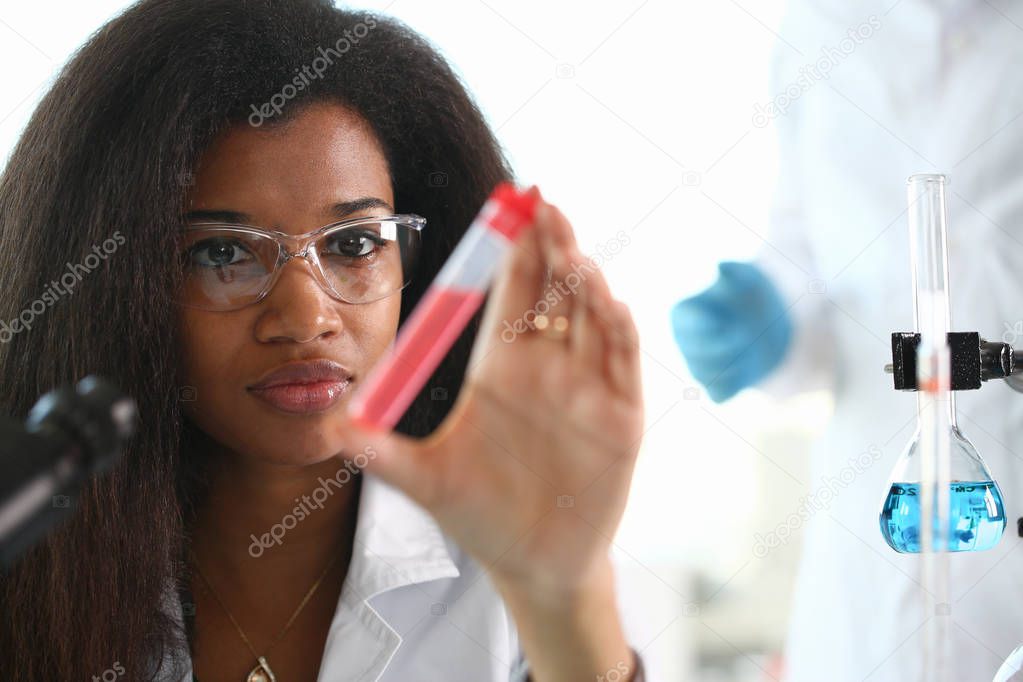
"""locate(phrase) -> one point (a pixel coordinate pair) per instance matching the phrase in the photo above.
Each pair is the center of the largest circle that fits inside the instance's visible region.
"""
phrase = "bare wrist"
(570, 631)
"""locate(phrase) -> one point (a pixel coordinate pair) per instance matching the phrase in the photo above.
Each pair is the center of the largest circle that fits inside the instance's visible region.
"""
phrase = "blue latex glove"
(733, 333)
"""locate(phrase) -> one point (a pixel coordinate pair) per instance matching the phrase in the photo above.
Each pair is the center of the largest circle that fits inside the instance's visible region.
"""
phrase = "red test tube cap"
(517, 208)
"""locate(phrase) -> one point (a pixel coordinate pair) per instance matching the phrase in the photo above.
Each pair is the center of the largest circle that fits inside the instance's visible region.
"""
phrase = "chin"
(285, 452)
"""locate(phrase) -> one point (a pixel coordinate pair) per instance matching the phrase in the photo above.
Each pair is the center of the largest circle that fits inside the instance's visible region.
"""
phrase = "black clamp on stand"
(974, 361)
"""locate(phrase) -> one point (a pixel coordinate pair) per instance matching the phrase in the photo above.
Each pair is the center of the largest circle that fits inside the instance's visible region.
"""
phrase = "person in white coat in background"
(864, 95)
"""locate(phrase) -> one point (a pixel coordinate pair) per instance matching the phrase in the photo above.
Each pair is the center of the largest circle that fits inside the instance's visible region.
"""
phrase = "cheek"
(210, 350)
(378, 323)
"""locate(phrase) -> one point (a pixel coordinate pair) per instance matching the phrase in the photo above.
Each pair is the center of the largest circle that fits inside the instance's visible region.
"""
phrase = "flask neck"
(950, 407)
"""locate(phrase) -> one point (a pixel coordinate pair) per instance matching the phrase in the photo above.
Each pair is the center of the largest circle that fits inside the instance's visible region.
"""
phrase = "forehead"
(292, 174)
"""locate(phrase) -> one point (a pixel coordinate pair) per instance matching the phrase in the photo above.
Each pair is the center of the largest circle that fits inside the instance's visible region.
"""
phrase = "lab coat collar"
(397, 544)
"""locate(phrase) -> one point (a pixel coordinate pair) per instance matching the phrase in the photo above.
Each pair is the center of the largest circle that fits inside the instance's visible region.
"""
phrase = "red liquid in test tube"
(449, 303)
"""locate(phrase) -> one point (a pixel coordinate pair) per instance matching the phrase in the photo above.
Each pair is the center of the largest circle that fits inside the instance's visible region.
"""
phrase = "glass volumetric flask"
(976, 515)
(940, 480)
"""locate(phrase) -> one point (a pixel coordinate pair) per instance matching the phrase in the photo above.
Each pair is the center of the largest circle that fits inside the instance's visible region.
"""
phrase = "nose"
(297, 308)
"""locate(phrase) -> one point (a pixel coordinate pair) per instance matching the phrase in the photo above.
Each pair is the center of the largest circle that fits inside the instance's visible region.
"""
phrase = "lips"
(303, 387)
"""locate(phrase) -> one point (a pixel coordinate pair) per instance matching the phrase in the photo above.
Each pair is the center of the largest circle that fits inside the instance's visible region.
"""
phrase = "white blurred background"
(633, 116)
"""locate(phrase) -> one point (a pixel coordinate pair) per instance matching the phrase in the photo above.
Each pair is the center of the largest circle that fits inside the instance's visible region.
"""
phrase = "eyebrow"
(338, 211)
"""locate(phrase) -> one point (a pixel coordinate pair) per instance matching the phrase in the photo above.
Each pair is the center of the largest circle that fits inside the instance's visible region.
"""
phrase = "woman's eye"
(215, 253)
(355, 245)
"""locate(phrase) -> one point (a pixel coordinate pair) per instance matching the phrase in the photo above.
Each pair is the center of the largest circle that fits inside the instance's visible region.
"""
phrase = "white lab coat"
(413, 606)
(937, 87)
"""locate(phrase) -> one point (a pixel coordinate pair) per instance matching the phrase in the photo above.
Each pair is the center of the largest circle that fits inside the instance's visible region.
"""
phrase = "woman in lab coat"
(863, 95)
(239, 538)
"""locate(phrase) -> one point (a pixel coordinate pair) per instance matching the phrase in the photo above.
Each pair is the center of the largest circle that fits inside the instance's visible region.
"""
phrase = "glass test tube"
(928, 219)
(447, 306)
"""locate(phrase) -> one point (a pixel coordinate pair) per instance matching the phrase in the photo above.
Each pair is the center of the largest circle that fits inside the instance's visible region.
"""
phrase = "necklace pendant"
(261, 673)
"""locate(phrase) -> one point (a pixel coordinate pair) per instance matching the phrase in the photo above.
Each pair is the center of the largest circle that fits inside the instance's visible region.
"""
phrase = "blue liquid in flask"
(976, 517)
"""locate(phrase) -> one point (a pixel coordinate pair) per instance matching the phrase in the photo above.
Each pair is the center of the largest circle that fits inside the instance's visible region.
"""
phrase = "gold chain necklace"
(262, 672)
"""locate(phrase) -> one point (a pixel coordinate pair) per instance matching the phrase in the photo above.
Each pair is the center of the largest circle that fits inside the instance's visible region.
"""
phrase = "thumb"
(394, 457)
